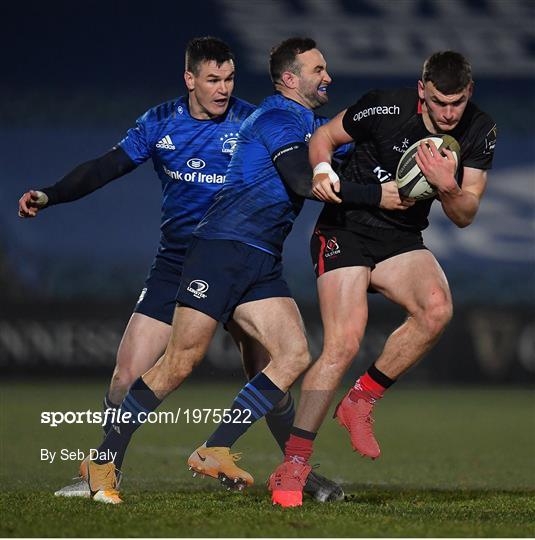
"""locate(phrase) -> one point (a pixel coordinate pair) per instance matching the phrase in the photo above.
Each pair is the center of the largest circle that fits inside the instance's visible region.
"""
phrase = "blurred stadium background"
(78, 75)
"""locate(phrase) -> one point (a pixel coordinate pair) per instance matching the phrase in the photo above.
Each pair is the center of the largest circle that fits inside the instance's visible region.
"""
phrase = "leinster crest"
(228, 141)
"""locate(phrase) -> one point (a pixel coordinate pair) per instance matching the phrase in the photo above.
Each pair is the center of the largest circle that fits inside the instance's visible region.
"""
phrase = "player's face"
(210, 89)
(313, 79)
(444, 110)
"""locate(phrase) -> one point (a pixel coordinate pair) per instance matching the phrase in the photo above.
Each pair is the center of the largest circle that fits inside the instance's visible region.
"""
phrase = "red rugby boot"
(287, 482)
(356, 417)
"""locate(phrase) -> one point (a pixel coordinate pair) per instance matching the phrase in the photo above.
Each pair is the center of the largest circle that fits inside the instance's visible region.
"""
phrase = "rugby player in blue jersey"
(233, 271)
(190, 141)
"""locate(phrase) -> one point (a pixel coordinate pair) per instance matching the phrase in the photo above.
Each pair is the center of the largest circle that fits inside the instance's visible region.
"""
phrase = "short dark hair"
(205, 49)
(449, 71)
(283, 56)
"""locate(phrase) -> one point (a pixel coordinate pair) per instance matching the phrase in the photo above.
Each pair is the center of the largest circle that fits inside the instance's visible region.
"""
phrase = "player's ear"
(421, 88)
(289, 79)
(189, 79)
(470, 89)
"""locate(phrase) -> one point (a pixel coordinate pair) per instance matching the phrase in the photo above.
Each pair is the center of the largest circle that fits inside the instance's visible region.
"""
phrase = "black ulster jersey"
(383, 124)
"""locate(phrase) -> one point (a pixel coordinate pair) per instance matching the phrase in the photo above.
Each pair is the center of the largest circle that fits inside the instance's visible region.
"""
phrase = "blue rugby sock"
(107, 404)
(280, 421)
(254, 400)
(140, 399)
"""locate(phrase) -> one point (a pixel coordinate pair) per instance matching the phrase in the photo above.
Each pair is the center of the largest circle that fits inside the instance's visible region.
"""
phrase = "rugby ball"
(409, 178)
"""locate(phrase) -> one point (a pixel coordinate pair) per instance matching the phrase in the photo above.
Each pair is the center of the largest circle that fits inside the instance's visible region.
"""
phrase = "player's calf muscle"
(170, 371)
(180, 364)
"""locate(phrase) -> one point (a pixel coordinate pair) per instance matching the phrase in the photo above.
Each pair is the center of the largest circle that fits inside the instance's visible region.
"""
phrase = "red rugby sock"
(298, 446)
(366, 388)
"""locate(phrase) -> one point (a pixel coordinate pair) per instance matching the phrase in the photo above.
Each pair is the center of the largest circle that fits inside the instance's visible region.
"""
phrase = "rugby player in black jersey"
(355, 249)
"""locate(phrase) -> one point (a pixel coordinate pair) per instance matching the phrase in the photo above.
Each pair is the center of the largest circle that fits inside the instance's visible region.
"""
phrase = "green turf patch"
(368, 512)
(456, 462)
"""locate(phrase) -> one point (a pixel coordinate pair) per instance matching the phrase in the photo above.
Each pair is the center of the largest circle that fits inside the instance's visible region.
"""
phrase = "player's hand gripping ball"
(410, 180)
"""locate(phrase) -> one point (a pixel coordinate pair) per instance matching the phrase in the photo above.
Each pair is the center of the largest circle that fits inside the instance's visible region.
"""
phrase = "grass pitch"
(456, 462)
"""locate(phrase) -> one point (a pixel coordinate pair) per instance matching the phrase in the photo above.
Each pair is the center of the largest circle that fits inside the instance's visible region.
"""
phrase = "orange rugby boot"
(218, 462)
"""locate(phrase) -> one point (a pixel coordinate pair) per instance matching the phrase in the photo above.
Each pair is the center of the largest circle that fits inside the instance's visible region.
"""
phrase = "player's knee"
(123, 377)
(437, 313)
(295, 359)
(340, 349)
(180, 370)
(303, 360)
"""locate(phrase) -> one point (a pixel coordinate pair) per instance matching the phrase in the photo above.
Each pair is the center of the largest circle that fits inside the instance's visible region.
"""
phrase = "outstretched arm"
(326, 184)
(81, 181)
(293, 167)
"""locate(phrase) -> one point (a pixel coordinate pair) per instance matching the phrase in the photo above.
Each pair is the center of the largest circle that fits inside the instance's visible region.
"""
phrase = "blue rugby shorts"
(219, 275)
(157, 299)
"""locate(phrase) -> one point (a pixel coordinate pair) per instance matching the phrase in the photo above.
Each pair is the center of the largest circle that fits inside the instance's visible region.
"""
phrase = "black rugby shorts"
(332, 248)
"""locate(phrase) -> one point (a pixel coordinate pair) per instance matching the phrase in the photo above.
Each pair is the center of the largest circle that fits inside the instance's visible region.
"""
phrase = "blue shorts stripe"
(247, 407)
(262, 249)
(259, 395)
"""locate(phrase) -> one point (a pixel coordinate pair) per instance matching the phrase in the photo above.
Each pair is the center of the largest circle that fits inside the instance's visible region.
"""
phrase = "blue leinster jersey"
(254, 206)
(190, 157)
